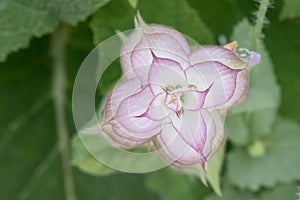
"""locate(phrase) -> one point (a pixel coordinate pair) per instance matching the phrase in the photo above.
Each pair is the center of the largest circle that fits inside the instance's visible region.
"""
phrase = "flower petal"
(193, 129)
(175, 39)
(253, 58)
(119, 136)
(157, 28)
(129, 44)
(240, 90)
(174, 148)
(163, 46)
(221, 78)
(165, 73)
(119, 93)
(217, 53)
(130, 111)
(215, 137)
(157, 111)
(194, 99)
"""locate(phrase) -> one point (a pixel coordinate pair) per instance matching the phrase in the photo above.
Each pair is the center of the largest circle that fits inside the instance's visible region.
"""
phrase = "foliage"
(261, 158)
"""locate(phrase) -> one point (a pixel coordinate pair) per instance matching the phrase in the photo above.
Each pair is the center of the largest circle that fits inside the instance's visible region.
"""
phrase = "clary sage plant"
(174, 97)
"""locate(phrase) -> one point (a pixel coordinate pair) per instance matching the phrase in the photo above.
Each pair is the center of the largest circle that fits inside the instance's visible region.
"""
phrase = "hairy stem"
(58, 45)
(261, 14)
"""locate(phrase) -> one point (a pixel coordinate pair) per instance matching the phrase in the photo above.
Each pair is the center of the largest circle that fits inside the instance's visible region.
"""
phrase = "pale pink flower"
(173, 96)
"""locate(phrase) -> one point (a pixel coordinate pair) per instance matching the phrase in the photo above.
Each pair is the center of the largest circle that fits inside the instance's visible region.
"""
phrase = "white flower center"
(174, 101)
(175, 98)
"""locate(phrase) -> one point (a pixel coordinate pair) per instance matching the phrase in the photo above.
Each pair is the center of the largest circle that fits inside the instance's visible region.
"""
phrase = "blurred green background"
(262, 159)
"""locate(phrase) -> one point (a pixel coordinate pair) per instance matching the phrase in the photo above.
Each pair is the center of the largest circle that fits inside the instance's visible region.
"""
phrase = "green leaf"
(118, 15)
(260, 109)
(177, 14)
(118, 186)
(219, 25)
(28, 139)
(85, 161)
(262, 121)
(279, 192)
(281, 159)
(231, 193)
(170, 185)
(23, 19)
(30, 158)
(291, 8)
(133, 3)
(237, 130)
(283, 45)
(214, 170)
(261, 76)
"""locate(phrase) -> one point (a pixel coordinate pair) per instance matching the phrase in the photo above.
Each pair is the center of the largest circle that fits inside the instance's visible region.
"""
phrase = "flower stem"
(261, 14)
(58, 45)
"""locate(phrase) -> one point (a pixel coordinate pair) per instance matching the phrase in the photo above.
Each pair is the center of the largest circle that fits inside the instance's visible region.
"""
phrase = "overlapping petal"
(119, 93)
(130, 115)
(222, 79)
(219, 54)
(163, 46)
(194, 100)
(119, 136)
(215, 132)
(157, 110)
(174, 96)
(165, 73)
(174, 148)
(125, 56)
(193, 129)
(194, 139)
(165, 42)
(240, 90)
(231, 60)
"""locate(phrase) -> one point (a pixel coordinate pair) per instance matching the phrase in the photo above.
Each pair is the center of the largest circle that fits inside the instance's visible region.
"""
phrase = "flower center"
(174, 98)
(173, 101)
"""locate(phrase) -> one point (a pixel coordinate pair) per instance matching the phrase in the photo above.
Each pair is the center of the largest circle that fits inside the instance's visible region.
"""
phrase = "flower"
(173, 96)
